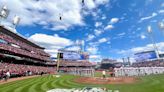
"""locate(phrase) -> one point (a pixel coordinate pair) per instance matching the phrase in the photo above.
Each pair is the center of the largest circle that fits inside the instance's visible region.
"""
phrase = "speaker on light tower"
(16, 21)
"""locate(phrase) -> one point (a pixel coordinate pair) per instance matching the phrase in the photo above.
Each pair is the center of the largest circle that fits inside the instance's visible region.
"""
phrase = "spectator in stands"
(1, 74)
(41, 73)
(7, 76)
(18, 70)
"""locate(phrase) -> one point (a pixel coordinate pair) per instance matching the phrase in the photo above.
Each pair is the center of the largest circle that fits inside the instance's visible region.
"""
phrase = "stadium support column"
(149, 30)
(129, 63)
(123, 59)
(58, 62)
(92, 70)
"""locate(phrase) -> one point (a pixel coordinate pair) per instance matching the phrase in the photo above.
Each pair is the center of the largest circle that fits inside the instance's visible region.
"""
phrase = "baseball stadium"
(43, 46)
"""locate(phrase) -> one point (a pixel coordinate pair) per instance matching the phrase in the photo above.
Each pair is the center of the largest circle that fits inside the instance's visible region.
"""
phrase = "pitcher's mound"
(111, 80)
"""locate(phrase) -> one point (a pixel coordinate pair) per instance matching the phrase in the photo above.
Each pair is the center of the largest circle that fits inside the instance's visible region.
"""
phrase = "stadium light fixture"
(4, 12)
(16, 21)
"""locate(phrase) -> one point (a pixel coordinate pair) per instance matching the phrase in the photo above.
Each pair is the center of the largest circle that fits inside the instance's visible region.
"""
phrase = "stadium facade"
(13, 45)
(21, 57)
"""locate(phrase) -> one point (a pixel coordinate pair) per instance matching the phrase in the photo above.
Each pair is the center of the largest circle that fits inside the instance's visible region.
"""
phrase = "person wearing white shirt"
(104, 73)
(7, 75)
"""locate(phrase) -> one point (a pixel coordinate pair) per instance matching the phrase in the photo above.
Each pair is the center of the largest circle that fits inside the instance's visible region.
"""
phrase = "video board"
(73, 55)
(145, 55)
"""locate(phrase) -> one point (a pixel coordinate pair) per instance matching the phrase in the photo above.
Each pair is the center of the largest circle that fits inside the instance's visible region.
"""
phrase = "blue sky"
(107, 28)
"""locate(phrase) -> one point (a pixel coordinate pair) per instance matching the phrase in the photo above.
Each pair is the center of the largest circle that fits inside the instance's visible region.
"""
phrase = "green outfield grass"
(153, 83)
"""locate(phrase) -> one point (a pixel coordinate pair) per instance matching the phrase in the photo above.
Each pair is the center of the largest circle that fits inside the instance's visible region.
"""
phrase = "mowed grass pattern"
(153, 83)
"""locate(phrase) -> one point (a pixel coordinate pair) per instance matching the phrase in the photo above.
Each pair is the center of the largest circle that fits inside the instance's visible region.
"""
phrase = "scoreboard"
(72, 55)
(145, 55)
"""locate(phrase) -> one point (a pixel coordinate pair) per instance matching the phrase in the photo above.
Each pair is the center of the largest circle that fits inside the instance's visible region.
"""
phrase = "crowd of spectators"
(18, 70)
(154, 63)
(22, 48)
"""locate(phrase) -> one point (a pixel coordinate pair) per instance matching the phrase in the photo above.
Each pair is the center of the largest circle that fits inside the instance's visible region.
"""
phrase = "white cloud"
(51, 43)
(97, 24)
(94, 56)
(162, 5)
(90, 4)
(148, 47)
(73, 48)
(97, 43)
(147, 2)
(90, 37)
(148, 17)
(122, 34)
(92, 50)
(143, 36)
(138, 29)
(103, 17)
(161, 11)
(47, 12)
(109, 42)
(98, 32)
(114, 20)
(101, 1)
(102, 40)
(109, 27)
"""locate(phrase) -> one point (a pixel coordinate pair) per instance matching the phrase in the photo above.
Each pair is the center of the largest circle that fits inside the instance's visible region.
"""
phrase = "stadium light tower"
(161, 26)
(4, 12)
(150, 32)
